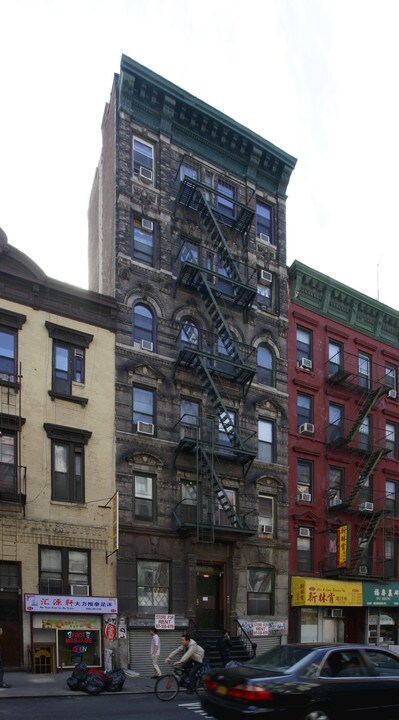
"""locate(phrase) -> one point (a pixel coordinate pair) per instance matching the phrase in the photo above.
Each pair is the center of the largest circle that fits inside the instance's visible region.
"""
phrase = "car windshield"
(280, 659)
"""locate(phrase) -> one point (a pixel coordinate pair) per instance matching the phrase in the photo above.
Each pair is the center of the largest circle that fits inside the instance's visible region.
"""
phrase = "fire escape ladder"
(218, 490)
(366, 533)
(371, 399)
(219, 323)
(365, 472)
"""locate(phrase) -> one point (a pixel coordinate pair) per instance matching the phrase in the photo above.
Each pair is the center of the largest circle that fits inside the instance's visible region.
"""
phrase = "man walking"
(2, 683)
(155, 652)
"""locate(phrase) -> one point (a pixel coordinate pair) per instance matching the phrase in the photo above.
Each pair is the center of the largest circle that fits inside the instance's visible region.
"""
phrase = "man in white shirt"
(155, 651)
(192, 658)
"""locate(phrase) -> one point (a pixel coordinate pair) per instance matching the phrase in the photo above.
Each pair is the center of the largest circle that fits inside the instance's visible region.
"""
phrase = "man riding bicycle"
(191, 660)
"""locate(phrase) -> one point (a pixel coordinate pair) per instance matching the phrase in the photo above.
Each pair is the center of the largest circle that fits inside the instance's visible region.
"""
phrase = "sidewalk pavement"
(55, 685)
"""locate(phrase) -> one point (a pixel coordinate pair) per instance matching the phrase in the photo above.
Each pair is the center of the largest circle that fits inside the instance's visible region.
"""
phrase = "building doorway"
(210, 598)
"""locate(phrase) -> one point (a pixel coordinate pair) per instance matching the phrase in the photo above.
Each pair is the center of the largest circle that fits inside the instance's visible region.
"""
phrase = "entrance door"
(210, 610)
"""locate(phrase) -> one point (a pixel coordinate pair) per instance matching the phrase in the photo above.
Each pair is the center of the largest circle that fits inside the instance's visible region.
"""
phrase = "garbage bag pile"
(93, 681)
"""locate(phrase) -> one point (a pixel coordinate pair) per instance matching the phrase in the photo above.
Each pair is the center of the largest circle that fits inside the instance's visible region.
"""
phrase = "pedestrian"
(155, 652)
(191, 660)
(2, 683)
(224, 646)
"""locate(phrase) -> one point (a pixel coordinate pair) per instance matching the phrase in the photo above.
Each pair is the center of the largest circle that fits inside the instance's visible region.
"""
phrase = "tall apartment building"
(57, 474)
(187, 229)
(344, 462)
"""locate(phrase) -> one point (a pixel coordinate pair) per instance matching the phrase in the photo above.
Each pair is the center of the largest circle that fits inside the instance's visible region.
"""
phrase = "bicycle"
(167, 686)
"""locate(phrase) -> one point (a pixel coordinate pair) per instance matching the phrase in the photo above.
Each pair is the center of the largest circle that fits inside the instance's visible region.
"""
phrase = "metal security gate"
(140, 646)
(266, 643)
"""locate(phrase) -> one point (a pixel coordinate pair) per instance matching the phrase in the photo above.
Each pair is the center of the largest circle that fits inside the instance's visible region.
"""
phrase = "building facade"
(57, 475)
(187, 230)
(344, 469)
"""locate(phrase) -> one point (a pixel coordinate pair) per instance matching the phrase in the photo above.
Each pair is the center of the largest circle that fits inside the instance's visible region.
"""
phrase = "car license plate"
(221, 690)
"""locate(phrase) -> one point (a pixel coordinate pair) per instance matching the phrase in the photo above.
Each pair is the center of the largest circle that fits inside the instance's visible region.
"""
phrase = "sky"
(317, 78)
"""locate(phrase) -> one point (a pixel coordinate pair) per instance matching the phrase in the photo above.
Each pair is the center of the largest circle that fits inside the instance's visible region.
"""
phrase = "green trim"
(338, 302)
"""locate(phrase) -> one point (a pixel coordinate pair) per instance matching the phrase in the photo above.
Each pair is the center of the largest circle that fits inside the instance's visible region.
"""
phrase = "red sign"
(110, 632)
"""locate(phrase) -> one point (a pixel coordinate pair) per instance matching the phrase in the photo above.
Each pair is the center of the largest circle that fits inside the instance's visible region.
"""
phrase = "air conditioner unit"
(306, 497)
(147, 225)
(305, 363)
(145, 175)
(266, 529)
(264, 238)
(145, 428)
(393, 394)
(80, 590)
(366, 506)
(306, 429)
(363, 569)
(147, 345)
(335, 501)
(266, 277)
(304, 532)
(334, 612)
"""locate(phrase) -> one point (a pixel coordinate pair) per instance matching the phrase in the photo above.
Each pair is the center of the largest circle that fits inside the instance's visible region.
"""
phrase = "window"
(265, 366)
(366, 490)
(188, 171)
(304, 479)
(188, 508)
(391, 439)
(266, 514)
(189, 334)
(264, 297)
(190, 419)
(390, 558)
(143, 160)
(60, 568)
(390, 496)
(227, 429)
(304, 409)
(225, 198)
(153, 583)
(332, 550)
(9, 577)
(364, 370)
(189, 252)
(68, 359)
(8, 462)
(336, 480)
(143, 326)
(335, 358)
(143, 405)
(8, 352)
(303, 344)
(67, 468)
(221, 517)
(336, 423)
(143, 241)
(264, 227)
(364, 434)
(260, 588)
(304, 545)
(391, 378)
(144, 497)
(266, 440)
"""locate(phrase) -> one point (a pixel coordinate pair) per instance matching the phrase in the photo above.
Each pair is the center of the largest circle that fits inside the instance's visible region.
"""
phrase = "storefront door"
(210, 611)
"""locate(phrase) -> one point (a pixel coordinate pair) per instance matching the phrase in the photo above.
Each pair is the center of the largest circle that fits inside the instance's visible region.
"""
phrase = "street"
(102, 707)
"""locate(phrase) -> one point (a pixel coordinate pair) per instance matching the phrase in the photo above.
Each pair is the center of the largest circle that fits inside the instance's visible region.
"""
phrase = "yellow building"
(57, 476)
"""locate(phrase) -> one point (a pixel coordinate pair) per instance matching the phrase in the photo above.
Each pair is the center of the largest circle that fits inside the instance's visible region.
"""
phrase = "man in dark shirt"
(2, 683)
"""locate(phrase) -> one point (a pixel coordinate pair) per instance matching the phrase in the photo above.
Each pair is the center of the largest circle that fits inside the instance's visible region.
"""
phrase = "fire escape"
(223, 365)
(12, 474)
(345, 434)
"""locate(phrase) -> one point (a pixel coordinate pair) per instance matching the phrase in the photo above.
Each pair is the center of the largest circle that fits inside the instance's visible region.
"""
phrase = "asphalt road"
(102, 707)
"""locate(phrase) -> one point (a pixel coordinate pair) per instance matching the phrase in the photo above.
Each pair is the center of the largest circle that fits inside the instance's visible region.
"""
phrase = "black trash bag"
(80, 671)
(73, 683)
(115, 680)
(93, 684)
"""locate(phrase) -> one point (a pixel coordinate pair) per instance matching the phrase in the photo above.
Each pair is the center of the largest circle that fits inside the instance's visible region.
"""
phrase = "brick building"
(344, 469)
(187, 229)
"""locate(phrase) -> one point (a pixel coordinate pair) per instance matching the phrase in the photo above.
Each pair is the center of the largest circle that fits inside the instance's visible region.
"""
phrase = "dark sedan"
(307, 682)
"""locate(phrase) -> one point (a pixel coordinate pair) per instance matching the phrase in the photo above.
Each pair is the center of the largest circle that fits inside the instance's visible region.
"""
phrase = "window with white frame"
(143, 326)
(364, 434)
(153, 587)
(8, 355)
(303, 344)
(143, 160)
(364, 370)
(335, 357)
(8, 462)
(260, 591)
(304, 551)
(265, 371)
(391, 438)
(61, 568)
(391, 496)
(143, 241)
(144, 497)
(266, 514)
(264, 222)
(266, 440)
(391, 380)
(336, 482)
(304, 479)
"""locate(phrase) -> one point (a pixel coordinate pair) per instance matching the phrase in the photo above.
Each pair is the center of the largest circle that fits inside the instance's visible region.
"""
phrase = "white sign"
(268, 628)
(107, 659)
(71, 604)
(165, 622)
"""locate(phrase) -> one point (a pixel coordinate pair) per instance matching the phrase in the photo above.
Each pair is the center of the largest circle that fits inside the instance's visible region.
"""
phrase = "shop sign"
(342, 545)
(165, 622)
(70, 604)
(268, 628)
(325, 593)
(381, 595)
(58, 622)
(110, 631)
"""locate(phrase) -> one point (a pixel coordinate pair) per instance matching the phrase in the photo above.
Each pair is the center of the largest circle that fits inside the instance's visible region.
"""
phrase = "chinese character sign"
(71, 604)
(342, 545)
(328, 593)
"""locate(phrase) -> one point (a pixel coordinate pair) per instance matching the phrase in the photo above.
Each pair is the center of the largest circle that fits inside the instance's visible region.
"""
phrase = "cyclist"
(191, 660)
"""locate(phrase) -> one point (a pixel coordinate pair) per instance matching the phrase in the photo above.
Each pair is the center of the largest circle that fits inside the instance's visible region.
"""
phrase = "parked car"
(307, 682)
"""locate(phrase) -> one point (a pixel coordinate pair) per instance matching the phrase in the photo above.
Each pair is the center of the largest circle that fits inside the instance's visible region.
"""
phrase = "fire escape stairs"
(369, 467)
(366, 533)
(371, 399)
(219, 493)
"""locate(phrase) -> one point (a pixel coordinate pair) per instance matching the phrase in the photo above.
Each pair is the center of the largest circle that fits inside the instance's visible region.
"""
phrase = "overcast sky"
(318, 78)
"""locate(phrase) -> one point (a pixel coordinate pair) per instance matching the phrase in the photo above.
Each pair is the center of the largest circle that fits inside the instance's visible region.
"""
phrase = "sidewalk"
(55, 685)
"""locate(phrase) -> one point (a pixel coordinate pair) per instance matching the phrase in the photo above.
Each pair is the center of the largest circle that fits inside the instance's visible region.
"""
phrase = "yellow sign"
(342, 545)
(328, 593)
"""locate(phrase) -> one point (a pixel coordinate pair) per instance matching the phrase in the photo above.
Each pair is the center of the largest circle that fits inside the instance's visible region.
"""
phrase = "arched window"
(143, 326)
(265, 366)
(189, 333)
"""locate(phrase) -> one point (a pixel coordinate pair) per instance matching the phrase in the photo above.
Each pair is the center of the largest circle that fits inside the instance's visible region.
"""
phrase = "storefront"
(382, 621)
(69, 629)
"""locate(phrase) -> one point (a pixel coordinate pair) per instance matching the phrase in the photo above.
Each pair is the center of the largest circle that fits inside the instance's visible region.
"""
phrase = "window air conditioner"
(266, 277)
(335, 501)
(306, 429)
(363, 569)
(147, 345)
(266, 529)
(306, 497)
(366, 506)
(147, 225)
(334, 612)
(306, 363)
(79, 590)
(145, 428)
(304, 532)
(264, 238)
(145, 175)
(393, 394)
